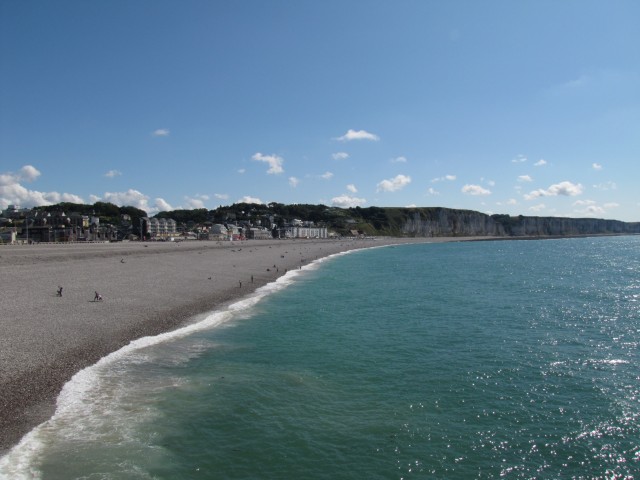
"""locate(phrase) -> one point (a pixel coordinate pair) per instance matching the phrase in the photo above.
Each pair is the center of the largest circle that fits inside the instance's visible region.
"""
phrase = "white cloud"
(8, 179)
(248, 199)
(113, 173)
(346, 201)
(70, 197)
(161, 205)
(540, 163)
(161, 132)
(448, 178)
(595, 209)
(242, 170)
(596, 166)
(606, 186)
(29, 173)
(565, 188)
(591, 207)
(16, 194)
(274, 161)
(433, 191)
(293, 181)
(475, 190)
(196, 202)
(399, 160)
(327, 176)
(582, 203)
(537, 208)
(352, 188)
(131, 197)
(525, 178)
(512, 201)
(94, 198)
(394, 184)
(221, 196)
(358, 135)
(340, 156)
(519, 159)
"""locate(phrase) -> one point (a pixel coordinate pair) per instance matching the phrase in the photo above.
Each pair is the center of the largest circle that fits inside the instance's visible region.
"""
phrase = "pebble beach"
(145, 289)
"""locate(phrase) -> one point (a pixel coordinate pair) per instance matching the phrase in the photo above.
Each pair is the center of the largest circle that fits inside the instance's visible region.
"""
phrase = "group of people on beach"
(96, 298)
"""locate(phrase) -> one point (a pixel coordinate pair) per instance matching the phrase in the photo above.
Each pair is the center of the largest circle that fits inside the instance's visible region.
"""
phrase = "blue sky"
(529, 107)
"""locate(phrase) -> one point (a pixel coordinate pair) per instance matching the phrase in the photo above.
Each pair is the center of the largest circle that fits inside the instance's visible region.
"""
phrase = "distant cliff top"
(392, 221)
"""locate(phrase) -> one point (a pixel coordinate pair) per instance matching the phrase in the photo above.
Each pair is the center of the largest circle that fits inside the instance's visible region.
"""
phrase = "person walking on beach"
(97, 297)
(59, 293)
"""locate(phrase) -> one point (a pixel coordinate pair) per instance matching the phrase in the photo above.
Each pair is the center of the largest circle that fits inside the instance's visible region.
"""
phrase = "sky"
(520, 108)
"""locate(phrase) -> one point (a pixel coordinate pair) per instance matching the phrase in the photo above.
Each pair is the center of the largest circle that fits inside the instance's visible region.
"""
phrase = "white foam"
(613, 361)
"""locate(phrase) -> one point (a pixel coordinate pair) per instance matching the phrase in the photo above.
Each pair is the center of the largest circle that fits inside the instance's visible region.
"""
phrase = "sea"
(495, 359)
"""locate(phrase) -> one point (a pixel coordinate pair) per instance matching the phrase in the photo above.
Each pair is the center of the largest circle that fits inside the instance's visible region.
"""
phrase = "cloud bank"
(12, 192)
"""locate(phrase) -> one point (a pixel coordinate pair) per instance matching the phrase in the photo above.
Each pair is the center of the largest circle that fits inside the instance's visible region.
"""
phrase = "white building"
(14, 211)
(162, 228)
(295, 231)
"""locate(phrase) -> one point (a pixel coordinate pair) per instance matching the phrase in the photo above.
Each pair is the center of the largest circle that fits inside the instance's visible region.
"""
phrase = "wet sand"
(146, 289)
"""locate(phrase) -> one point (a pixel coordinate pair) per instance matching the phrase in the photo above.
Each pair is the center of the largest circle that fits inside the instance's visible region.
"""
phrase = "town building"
(14, 211)
(307, 230)
(258, 233)
(159, 228)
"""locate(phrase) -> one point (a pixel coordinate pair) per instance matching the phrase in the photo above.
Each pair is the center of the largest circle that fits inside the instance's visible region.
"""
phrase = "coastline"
(147, 289)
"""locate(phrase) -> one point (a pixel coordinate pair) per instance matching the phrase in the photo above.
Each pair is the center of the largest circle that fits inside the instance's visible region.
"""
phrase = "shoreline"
(147, 289)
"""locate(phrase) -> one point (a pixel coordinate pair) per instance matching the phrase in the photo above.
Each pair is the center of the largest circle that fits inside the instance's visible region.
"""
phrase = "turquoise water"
(513, 359)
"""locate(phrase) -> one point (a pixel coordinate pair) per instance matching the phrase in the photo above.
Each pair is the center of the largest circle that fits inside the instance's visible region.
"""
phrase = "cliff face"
(436, 222)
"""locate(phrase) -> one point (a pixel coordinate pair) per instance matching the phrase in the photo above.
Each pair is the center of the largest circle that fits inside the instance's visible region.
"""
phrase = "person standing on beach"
(59, 291)
(97, 297)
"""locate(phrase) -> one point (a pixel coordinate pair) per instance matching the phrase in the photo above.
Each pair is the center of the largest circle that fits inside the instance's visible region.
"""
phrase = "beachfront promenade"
(147, 288)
